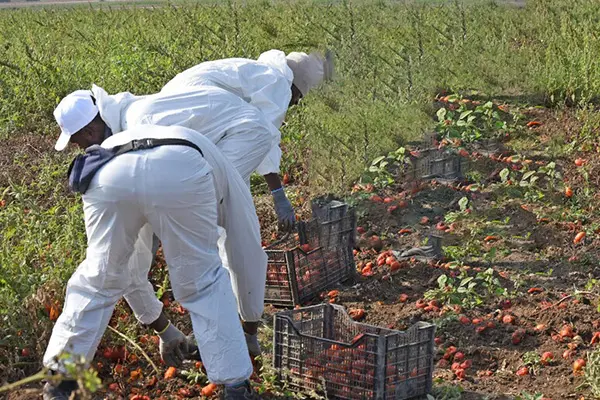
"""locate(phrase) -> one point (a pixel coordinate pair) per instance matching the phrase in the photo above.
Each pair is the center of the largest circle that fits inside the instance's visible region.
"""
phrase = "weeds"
(592, 372)
(444, 392)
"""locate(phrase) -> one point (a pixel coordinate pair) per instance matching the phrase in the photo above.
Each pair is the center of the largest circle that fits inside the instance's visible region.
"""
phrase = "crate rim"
(285, 315)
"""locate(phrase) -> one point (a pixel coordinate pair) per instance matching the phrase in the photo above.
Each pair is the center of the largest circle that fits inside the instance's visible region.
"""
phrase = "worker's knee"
(189, 277)
(100, 277)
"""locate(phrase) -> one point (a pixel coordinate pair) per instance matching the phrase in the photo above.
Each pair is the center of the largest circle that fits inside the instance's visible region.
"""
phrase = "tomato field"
(512, 92)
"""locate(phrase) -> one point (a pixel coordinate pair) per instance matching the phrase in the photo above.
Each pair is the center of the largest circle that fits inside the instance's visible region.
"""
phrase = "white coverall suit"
(244, 137)
(264, 83)
(182, 196)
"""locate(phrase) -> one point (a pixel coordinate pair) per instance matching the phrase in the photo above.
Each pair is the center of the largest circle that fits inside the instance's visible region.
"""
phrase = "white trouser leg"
(100, 280)
(140, 295)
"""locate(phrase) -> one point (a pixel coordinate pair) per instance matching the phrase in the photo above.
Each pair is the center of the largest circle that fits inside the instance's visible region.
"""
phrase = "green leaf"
(463, 203)
(377, 160)
(504, 174)
(465, 114)
(528, 175)
(442, 281)
(441, 114)
(466, 280)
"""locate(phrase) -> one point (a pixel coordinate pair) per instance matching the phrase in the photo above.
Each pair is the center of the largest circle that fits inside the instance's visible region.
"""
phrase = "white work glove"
(175, 347)
(284, 210)
(253, 345)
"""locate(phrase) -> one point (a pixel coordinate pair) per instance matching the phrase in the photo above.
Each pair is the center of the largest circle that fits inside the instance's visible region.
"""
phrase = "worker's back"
(265, 82)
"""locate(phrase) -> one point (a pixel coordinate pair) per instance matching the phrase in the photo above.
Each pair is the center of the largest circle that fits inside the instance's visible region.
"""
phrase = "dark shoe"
(62, 391)
(244, 392)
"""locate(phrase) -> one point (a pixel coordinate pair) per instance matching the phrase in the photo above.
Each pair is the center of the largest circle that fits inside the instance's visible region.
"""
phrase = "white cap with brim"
(74, 112)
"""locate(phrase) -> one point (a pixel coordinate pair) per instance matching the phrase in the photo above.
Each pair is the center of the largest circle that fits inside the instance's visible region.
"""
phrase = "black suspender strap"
(143, 144)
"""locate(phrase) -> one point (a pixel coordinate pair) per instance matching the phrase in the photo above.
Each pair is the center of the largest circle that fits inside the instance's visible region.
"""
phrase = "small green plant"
(384, 169)
(460, 291)
(463, 205)
(461, 120)
(195, 376)
(535, 182)
(490, 283)
(467, 291)
(531, 360)
(592, 372)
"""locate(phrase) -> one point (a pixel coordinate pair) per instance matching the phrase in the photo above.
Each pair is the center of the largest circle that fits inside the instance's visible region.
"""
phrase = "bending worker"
(182, 189)
(272, 83)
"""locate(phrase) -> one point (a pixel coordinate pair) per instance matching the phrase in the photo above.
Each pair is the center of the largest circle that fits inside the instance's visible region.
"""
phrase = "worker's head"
(79, 120)
(309, 71)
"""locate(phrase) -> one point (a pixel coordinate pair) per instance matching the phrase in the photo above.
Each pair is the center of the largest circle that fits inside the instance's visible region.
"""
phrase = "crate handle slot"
(321, 339)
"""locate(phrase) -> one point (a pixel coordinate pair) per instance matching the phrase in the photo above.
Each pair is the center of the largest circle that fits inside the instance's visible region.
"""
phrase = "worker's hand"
(284, 210)
(175, 347)
(253, 345)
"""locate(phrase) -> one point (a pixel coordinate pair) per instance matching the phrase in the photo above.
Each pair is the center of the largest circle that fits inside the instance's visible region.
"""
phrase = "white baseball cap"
(73, 112)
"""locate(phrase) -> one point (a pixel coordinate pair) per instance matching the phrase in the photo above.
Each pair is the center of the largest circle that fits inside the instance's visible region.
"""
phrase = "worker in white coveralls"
(242, 134)
(272, 83)
(230, 123)
(178, 183)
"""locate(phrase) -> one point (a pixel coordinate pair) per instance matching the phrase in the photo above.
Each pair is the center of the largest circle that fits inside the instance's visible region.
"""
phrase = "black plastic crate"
(302, 266)
(434, 163)
(321, 349)
(337, 231)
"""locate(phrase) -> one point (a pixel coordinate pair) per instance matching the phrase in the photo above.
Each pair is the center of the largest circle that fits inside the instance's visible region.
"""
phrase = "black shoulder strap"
(143, 144)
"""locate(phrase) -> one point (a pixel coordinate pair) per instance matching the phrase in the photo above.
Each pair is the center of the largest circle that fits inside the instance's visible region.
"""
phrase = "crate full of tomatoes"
(321, 349)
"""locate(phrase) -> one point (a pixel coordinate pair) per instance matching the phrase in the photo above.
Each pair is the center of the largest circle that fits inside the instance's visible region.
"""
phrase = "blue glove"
(284, 210)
